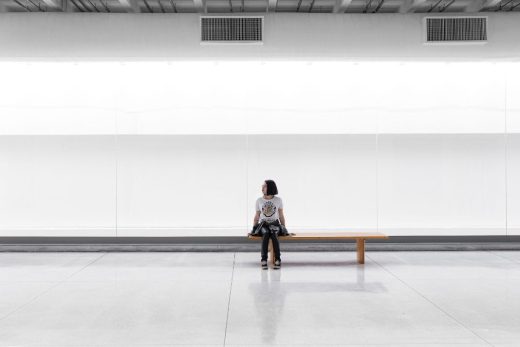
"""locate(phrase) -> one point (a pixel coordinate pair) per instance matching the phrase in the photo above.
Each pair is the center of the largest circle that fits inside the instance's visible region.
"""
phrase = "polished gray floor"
(217, 299)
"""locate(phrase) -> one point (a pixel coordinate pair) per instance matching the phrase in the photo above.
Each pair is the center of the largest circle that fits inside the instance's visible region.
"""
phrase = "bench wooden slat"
(333, 236)
(330, 236)
(360, 238)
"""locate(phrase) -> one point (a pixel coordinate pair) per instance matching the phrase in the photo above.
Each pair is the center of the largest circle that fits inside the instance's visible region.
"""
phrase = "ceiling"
(261, 6)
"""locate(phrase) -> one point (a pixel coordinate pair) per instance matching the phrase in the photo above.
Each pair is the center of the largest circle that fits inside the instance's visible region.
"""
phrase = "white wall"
(57, 185)
(442, 184)
(513, 151)
(423, 145)
(181, 184)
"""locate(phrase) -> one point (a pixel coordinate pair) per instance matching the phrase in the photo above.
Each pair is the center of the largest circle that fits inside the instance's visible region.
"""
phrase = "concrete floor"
(165, 299)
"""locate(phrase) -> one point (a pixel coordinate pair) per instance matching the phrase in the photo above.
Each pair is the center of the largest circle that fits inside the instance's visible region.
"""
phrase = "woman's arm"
(257, 218)
(282, 217)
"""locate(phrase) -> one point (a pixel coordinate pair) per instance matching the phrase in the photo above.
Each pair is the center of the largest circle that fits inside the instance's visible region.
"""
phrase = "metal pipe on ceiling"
(311, 6)
(148, 6)
(513, 7)
(93, 5)
(379, 6)
(435, 5)
(173, 6)
(22, 5)
(107, 9)
(85, 7)
(367, 6)
(38, 6)
(76, 5)
(501, 6)
(446, 6)
(161, 6)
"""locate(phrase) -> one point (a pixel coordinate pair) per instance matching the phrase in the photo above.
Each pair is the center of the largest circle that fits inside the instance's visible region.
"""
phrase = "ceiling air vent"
(456, 29)
(231, 29)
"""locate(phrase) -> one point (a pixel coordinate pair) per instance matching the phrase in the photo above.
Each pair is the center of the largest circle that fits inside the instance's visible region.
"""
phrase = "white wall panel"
(513, 184)
(442, 184)
(513, 150)
(440, 97)
(181, 185)
(511, 97)
(57, 185)
(244, 97)
(24, 120)
(310, 98)
(322, 97)
(326, 182)
(182, 98)
(57, 98)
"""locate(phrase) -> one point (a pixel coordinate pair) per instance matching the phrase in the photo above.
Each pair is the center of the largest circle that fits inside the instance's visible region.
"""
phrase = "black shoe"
(277, 264)
(264, 264)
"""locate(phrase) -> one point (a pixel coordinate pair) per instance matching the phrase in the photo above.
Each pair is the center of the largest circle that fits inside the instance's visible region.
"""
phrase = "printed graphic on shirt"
(268, 209)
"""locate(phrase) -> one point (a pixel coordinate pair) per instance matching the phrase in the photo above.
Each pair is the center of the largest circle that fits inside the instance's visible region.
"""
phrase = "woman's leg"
(265, 242)
(276, 246)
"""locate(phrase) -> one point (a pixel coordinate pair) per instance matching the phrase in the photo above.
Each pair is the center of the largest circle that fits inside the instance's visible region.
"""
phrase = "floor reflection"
(269, 295)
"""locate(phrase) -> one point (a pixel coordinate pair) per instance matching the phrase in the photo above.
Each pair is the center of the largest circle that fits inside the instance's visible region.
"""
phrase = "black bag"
(276, 227)
(283, 231)
(279, 229)
(257, 229)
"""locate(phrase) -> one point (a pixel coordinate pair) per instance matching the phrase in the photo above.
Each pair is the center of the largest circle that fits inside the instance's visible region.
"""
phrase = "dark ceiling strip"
(367, 6)
(446, 6)
(44, 9)
(76, 5)
(501, 6)
(514, 6)
(311, 6)
(230, 6)
(36, 5)
(173, 6)
(507, 3)
(379, 6)
(435, 5)
(26, 8)
(148, 6)
(105, 5)
(161, 6)
(87, 9)
(299, 5)
(93, 5)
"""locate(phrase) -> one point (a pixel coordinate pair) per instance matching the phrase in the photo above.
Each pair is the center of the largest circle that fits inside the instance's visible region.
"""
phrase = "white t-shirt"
(269, 208)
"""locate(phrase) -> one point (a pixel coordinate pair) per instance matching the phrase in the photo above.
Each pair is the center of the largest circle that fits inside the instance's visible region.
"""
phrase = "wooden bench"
(360, 238)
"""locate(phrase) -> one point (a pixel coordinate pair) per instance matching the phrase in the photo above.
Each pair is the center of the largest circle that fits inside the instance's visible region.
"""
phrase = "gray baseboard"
(242, 244)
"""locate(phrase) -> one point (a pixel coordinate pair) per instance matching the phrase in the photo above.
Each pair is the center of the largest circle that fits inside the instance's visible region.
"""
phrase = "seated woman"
(269, 222)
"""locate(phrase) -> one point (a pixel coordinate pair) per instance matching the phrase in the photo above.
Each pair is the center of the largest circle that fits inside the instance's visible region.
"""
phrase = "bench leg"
(271, 251)
(360, 251)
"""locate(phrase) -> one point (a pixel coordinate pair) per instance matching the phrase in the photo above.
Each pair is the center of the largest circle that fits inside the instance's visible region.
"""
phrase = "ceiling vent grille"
(456, 29)
(231, 29)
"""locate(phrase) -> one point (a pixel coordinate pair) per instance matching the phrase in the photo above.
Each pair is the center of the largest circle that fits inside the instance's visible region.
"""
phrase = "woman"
(269, 222)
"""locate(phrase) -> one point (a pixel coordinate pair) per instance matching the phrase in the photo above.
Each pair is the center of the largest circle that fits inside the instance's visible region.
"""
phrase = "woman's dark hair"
(271, 187)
